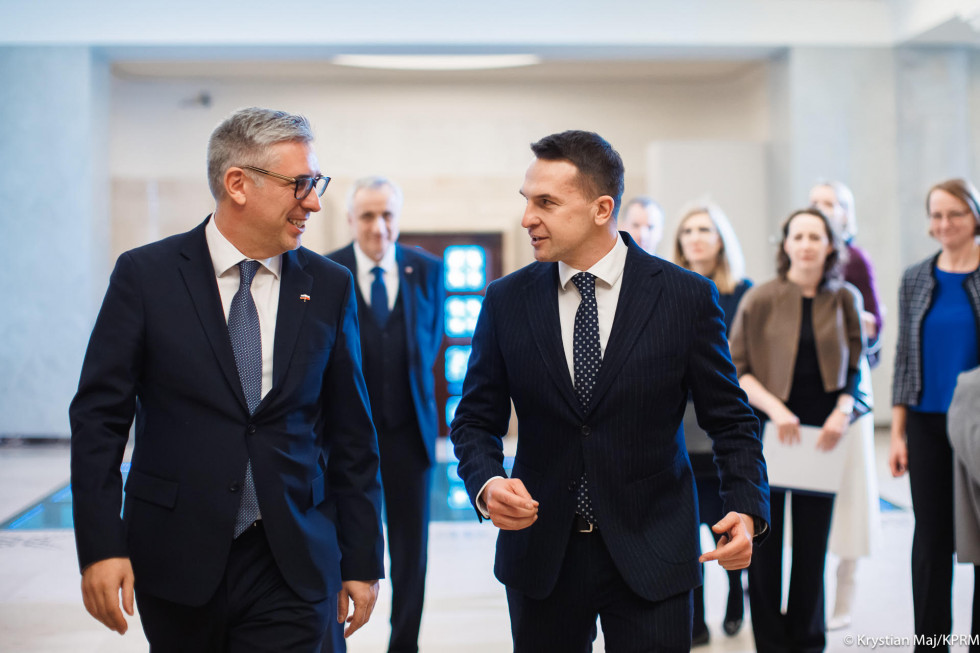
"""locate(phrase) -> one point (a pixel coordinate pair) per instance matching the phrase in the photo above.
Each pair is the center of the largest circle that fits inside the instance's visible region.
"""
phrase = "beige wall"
(458, 149)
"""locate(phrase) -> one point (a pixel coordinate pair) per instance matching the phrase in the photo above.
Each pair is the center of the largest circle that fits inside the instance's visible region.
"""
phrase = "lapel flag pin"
(409, 269)
(305, 297)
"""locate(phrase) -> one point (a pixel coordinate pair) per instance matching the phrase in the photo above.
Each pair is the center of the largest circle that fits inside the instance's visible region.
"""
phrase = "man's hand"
(509, 504)
(734, 549)
(101, 583)
(364, 594)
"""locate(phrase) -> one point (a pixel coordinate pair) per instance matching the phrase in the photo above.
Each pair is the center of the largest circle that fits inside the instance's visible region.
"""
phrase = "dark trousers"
(590, 586)
(406, 479)
(802, 627)
(710, 510)
(253, 610)
(933, 541)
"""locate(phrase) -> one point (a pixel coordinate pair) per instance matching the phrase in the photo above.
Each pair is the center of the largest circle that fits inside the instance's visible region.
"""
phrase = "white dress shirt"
(365, 277)
(608, 272)
(265, 290)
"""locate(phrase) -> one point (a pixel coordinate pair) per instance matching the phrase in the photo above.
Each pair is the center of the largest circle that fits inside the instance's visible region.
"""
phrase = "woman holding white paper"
(797, 343)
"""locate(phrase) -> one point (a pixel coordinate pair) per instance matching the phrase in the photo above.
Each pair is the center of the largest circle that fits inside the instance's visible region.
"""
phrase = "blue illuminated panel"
(451, 404)
(461, 314)
(466, 268)
(457, 358)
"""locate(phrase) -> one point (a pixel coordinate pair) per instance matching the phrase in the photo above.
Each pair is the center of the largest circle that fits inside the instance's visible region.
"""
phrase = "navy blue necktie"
(586, 357)
(379, 297)
(246, 342)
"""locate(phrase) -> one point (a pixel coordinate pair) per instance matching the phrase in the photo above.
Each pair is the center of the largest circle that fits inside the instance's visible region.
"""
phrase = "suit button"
(234, 487)
(251, 429)
(572, 486)
(586, 431)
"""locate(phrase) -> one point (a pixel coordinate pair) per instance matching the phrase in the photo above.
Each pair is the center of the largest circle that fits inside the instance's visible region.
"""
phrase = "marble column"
(54, 226)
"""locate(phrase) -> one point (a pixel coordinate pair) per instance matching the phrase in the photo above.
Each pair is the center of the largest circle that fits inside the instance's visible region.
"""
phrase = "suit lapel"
(638, 297)
(541, 302)
(197, 271)
(407, 280)
(294, 283)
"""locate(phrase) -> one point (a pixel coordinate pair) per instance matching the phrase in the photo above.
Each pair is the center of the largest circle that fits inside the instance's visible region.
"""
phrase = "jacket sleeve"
(101, 415)
(900, 388)
(483, 414)
(724, 413)
(353, 462)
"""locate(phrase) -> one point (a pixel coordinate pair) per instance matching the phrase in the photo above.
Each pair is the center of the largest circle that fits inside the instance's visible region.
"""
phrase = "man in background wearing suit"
(252, 513)
(400, 297)
(598, 345)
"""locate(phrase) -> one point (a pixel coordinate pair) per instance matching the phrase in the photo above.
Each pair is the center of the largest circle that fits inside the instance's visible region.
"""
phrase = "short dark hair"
(832, 266)
(600, 168)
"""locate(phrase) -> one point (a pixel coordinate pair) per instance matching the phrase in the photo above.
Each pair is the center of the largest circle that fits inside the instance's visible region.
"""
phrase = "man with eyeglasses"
(252, 506)
(400, 295)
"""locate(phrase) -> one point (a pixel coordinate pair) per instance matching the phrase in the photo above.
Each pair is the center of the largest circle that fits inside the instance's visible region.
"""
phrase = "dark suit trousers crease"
(590, 586)
(406, 478)
(802, 627)
(252, 611)
(933, 540)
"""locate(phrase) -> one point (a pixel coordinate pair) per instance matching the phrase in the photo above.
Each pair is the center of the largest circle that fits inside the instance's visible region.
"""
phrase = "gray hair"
(374, 182)
(846, 200)
(244, 137)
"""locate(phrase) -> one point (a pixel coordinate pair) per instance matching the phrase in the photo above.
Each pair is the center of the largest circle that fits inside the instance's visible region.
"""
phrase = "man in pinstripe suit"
(598, 344)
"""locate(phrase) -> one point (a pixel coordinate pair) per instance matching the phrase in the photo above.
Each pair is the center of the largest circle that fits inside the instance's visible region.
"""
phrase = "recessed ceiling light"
(437, 62)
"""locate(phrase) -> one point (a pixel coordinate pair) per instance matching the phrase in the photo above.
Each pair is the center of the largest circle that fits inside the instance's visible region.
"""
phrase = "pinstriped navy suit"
(667, 338)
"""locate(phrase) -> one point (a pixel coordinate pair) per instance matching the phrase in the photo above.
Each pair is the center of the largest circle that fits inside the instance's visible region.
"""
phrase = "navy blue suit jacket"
(422, 290)
(667, 338)
(160, 352)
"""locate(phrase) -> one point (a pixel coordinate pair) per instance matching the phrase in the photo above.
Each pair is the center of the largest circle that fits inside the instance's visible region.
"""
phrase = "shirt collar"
(365, 263)
(225, 256)
(608, 269)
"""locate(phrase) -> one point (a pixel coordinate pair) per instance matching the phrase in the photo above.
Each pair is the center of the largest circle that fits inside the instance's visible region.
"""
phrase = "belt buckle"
(579, 520)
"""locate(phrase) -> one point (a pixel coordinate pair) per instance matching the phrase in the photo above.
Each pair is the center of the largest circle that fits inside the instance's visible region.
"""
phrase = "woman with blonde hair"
(706, 243)
(938, 338)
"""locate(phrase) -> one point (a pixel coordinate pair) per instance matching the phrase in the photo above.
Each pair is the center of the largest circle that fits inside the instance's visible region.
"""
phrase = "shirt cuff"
(481, 502)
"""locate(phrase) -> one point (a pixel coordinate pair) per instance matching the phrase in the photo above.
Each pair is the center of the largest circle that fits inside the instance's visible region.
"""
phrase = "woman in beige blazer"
(797, 344)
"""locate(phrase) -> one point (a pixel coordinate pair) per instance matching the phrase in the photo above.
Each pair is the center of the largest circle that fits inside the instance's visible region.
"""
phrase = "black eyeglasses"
(302, 185)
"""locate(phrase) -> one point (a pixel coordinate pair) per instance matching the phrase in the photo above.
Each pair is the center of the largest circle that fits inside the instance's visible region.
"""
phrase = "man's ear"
(603, 207)
(235, 181)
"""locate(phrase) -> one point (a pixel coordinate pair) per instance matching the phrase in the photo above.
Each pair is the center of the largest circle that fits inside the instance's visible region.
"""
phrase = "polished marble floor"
(41, 609)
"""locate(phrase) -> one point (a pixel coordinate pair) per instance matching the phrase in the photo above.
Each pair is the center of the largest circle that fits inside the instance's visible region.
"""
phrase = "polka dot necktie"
(587, 357)
(246, 342)
(379, 297)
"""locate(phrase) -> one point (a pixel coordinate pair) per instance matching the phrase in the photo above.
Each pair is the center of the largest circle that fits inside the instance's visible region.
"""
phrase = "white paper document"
(802, 466)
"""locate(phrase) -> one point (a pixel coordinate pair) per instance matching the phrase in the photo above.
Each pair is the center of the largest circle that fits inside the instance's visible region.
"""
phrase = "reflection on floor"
(41, 609)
